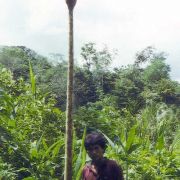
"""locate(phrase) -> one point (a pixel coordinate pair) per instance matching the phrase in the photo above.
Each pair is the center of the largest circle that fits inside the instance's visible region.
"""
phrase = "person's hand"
(92, 173)
(93, 169)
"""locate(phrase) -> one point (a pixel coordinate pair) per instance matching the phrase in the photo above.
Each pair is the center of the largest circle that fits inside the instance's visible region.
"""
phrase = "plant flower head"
(71, 4)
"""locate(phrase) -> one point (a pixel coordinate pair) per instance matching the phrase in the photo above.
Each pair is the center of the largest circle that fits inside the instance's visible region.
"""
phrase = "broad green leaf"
(34, 153)
(55, 151)
(109, 141)
(12, 123)
(39, 142)
(50, 149)
(80, 162)
(133, 147)
(131, 136)
(121, 143)
(160, 142)
(29, 178)
(44, 144)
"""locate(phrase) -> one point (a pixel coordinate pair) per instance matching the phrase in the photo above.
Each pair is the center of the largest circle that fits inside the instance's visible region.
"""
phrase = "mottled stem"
(69, 121)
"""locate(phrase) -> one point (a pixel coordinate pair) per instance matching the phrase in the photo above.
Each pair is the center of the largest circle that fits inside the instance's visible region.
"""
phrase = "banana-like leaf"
(160, 142)
(44, 144)
(80, 162)
(121, 143)
(78, 177)
(131, 137)
(39, 142)
(133, 147)
(50, 149)
(109, 141)
(176, 142)
(112, 143)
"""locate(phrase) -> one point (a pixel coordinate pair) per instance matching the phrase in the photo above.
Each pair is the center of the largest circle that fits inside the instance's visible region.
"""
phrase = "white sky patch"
(128, 26)
(44, 15)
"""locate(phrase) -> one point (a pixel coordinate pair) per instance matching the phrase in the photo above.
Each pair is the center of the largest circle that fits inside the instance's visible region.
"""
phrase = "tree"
(148, 54)
(166, 89)
(85, 89)
(128, 88)
(88, 52)
(24, 121)
(96, 62)
(156, 71)
(16, 59)
(69, 123)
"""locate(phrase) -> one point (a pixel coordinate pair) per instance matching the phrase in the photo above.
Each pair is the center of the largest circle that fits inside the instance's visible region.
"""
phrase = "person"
(100, 168)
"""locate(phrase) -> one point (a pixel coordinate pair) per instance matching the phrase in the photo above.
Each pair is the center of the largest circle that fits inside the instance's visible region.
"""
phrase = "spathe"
(71, 4)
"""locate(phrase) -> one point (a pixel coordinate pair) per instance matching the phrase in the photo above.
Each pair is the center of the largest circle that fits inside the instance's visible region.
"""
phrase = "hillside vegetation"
(136, 107)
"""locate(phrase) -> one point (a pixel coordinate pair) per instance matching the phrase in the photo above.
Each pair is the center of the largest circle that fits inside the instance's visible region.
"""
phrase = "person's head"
(95, 145)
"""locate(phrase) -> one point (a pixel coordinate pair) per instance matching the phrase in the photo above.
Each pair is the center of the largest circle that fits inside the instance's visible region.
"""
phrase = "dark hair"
(95, 138)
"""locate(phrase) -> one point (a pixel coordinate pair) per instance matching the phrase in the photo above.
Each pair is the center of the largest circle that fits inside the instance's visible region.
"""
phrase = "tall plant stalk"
(69, 121)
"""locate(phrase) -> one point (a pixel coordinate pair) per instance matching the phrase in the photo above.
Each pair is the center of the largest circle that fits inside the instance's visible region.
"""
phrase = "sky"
(128, 26)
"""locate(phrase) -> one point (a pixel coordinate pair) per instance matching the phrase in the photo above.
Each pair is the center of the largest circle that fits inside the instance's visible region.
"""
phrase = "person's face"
(95, 152)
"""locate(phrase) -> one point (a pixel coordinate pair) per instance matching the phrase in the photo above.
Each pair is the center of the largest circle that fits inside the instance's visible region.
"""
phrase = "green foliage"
(85, 89)
(143, 150)
(25, 123)
(33, 80)
(16, 58)
(136, 108)
(80, 159)
(6, 171)
(128, 88)
(156, 71)
(96, 62)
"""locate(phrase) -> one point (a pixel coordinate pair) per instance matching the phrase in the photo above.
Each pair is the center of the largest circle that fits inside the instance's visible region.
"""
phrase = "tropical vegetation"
(136, 107)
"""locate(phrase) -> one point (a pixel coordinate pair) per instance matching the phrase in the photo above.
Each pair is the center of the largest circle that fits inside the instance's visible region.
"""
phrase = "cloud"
(44, 15)
(128, 26)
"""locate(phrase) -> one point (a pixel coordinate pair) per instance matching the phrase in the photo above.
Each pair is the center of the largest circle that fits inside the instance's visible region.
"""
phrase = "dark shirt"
(108, 170)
